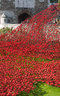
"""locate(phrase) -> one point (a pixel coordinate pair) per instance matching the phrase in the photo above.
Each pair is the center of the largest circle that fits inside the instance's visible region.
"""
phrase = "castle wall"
(13, 8)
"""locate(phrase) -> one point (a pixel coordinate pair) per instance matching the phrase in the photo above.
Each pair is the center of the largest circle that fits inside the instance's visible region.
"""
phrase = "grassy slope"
(51, 91)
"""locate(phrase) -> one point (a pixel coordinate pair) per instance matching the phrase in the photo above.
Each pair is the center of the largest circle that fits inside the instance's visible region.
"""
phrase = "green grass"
(41, 59)
(5, 30)
(51, 91)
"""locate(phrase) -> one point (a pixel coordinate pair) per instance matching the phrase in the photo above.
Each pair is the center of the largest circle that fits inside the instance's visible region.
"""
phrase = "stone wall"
(9, 26)
(8, 7)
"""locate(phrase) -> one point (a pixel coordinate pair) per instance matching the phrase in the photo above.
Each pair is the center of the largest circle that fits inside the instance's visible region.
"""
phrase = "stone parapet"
(9, 26)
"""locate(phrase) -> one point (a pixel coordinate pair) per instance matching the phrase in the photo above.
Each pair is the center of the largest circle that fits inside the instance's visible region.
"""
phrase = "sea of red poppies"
(18, 74)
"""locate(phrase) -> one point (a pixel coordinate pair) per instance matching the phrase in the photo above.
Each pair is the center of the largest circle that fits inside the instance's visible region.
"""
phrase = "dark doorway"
(22, 17)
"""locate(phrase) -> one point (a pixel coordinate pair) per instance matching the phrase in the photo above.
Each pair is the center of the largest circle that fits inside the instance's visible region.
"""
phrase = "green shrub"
(5, 30)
